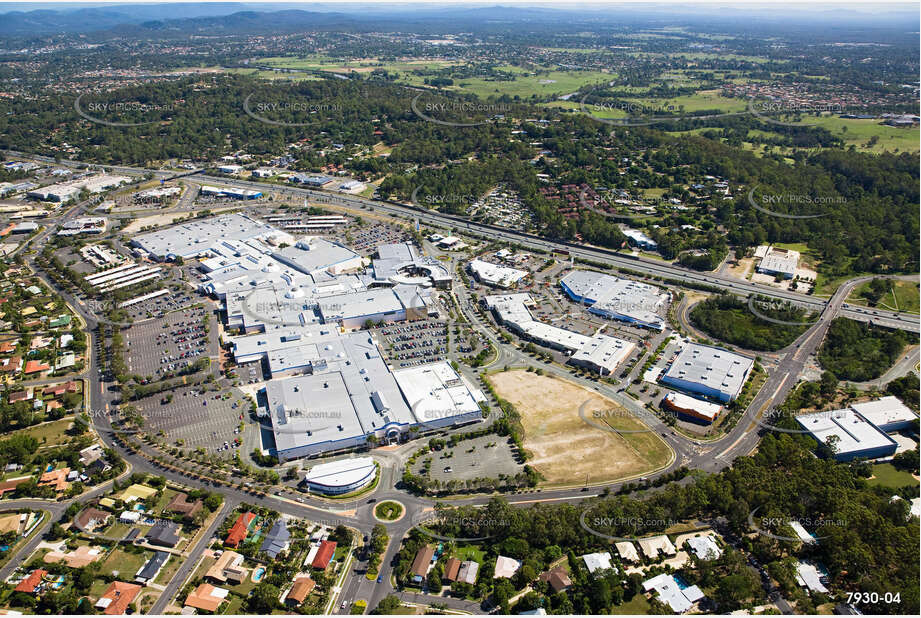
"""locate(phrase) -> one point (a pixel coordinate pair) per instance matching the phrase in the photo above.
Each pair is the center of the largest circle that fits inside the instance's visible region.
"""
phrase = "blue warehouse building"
(613, 298)
(853, 436)
(708, 371)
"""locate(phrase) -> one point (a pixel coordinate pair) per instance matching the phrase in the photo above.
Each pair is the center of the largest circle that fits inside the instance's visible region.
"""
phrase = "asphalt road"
(191, 561)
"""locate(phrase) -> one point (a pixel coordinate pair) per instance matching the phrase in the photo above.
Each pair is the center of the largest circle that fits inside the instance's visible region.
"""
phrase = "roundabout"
(389, 511)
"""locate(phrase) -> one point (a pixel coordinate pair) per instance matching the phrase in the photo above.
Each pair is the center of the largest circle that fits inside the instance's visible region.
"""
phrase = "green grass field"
(886, 475)
(470, 552)
(49, 434)
(526, 83)
(126, 564)
(857, 132)
(637, 606)
(701, 101)
(388, 510)
(541, 84)
(902, 296)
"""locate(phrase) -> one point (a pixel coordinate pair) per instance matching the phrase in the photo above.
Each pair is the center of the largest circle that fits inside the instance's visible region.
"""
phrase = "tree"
(263, 599)
(434, 581)
(503, 591)
(388, 605)
(341, 535)
(732, 590)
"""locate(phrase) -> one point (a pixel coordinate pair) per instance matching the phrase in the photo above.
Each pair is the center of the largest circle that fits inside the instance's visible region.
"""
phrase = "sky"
(39, 4)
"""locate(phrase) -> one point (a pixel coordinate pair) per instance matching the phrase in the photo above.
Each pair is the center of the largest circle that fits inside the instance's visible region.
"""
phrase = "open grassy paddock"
(902, 296)
(567, 450)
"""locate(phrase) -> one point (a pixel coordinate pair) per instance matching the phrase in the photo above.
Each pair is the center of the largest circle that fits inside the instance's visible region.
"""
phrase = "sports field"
(568, 451)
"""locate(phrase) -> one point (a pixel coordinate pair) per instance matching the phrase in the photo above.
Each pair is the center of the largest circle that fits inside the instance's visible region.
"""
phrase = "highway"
(892, 319)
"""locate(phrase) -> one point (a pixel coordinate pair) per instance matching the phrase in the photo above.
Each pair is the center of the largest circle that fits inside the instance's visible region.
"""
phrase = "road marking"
(580, 495)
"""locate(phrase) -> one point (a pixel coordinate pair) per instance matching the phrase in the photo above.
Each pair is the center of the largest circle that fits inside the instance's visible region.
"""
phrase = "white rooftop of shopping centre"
(617, 298)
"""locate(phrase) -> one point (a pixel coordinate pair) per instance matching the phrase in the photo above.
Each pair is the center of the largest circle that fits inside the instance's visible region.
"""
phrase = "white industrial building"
(230, 192)
(887, 413)
(157, 194)
(712, 372)
(639, 239)
(352, 186)
(54, 193)
(495, 275)
(195, 238)
(602, 354)
(352, 396)
(629, 301)
(66, 191)
(852, 434)
(312, 254)
(512, 311)
(776, 261)
(377, 305)
(102, 182)
(83, 225)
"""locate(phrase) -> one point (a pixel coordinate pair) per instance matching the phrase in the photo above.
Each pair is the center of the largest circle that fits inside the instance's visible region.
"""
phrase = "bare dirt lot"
(566, 449)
